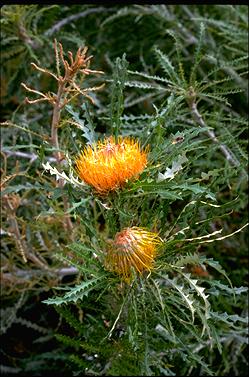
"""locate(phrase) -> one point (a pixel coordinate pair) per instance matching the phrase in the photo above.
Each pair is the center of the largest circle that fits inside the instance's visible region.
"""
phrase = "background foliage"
(175, 78)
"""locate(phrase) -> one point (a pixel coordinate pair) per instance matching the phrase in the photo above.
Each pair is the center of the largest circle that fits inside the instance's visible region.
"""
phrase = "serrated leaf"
(176, 167)
(199, 290)
(211, 262)
(87, 129)
(165, 333)
(225, 288)
(17, 188)
(183, 295)
(228, 318)
(59, 175)
(167, 66)
(74, 294)
(143, 85)
(196, 189)
(76, 205)
(157, 78)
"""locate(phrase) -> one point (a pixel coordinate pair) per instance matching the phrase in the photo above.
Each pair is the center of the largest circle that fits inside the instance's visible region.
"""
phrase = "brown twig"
(21, 280)
(29, 274)
(11, 203)
(74, 17)
(31, 156)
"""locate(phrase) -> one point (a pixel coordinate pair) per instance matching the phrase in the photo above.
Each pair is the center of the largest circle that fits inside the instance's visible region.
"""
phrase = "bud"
(133, 248)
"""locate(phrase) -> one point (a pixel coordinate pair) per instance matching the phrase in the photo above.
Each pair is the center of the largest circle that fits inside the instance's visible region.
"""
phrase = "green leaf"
(228, 318)
(87, 128)
(216, 265)
(167, 66)
(74, 294)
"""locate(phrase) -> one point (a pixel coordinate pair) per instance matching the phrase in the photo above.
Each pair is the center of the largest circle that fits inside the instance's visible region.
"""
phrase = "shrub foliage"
(174, 78)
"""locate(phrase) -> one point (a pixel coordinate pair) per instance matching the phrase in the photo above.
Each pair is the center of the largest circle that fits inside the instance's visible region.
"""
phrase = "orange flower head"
(108, 165)
(133, 248)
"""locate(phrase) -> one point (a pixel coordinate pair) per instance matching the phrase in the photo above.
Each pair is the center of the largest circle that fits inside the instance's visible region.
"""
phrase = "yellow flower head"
(108, 165)
(133, 248)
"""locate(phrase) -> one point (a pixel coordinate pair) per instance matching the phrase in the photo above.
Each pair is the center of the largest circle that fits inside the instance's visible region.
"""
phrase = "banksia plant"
(132, 249)
(126, 301)
(108, 165)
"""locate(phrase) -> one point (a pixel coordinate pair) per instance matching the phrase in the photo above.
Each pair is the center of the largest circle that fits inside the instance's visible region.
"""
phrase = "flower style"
(133, 248)
(108, 165)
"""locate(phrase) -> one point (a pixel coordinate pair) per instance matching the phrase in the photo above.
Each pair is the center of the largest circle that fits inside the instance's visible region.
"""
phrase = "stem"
(20, 242)
(120, 312)
(30, 274)
(55, 143)
(56, 120)
(18, 238)
(73, 17)
(224, 149)
(68, 223)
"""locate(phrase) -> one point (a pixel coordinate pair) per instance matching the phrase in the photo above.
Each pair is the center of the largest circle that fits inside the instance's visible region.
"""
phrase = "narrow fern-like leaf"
(74, 294)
